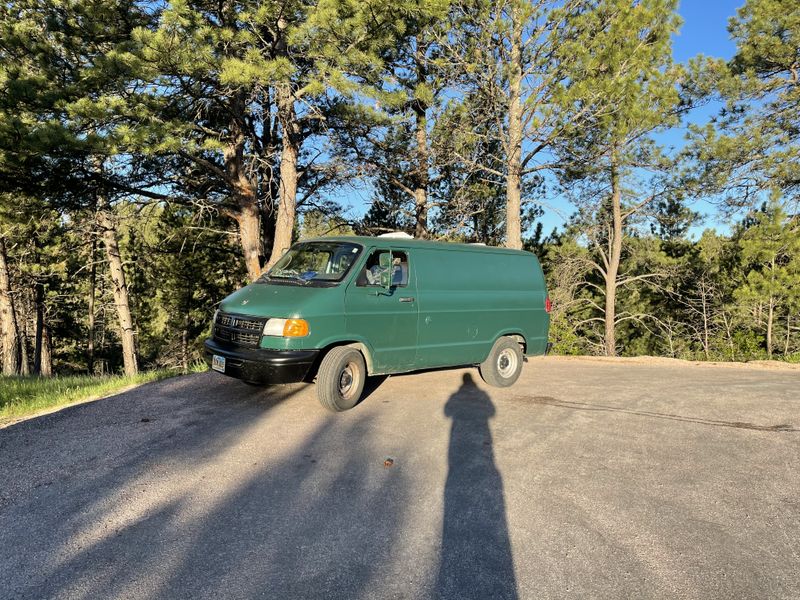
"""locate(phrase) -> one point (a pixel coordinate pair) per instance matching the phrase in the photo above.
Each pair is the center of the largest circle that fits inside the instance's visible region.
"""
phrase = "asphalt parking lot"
(588, 478)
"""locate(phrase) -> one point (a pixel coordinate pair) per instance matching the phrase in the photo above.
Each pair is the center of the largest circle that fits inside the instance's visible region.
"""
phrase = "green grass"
(23, 396)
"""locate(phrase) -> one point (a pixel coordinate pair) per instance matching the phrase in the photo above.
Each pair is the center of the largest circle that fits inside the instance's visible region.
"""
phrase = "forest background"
(157, 155)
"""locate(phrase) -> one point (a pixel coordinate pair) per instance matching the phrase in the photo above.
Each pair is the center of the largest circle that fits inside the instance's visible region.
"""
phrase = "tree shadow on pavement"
(323, 522)
(201, 487)
(476, 558)
(244, 513)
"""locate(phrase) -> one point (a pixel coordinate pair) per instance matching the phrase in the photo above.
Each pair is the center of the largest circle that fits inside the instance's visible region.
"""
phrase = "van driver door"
(381, 307)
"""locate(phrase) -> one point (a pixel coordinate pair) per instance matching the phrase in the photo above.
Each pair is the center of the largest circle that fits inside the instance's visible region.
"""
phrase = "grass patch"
(23, 396)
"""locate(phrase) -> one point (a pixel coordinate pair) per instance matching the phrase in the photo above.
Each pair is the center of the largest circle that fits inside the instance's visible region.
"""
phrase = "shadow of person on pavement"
(476, 560)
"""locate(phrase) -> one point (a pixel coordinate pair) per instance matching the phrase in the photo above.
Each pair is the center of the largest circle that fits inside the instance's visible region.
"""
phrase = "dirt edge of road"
(677, 362)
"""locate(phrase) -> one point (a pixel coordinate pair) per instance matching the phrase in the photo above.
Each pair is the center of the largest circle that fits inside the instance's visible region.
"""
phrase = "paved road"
(586, 479)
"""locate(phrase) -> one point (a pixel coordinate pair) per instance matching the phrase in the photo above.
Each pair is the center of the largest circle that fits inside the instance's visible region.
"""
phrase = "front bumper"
(259, 365)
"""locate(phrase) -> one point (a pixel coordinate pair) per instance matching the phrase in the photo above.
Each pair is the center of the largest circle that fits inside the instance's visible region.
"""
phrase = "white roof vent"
(397, 234)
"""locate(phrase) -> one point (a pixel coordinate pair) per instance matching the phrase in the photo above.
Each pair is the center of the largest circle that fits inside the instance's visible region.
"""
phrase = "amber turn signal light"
(295, 328)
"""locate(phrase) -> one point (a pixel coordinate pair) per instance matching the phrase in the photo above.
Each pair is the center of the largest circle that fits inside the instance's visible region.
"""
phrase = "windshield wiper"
(291, 278)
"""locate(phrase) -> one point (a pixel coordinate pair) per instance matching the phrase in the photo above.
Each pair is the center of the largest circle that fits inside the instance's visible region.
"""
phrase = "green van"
(342, 308)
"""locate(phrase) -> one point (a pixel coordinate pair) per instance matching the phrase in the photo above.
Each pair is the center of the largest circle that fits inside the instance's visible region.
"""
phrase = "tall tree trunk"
(103, 327)
(245, 192)
(670, 339)
(729, 335)
(788, 332)
(614, 255)
(268, 219)
(514, 140)
(185, 344)
(421, 133)
(92, 292)
(108, 230)
(39, 333)
(705, 321)
(421, 188)
(8, 317)
(248, 219)
(770, 318)
(287, 192)
(47, 352)
(24, 363)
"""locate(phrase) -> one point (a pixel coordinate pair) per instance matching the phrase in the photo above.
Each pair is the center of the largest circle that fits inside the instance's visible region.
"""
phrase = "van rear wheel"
(340, 379)
(504, 364)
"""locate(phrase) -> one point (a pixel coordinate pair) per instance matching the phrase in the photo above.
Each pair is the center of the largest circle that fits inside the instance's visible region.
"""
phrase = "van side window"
(377, 270)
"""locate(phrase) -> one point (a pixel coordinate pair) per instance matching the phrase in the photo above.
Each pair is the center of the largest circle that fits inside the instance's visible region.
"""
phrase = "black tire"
(340, 379)
(504, 364)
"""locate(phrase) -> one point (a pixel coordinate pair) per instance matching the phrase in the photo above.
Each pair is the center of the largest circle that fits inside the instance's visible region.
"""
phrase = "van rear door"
(381, 307)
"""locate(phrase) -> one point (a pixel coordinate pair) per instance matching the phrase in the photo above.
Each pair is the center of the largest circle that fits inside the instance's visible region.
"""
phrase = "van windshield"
(309, 262)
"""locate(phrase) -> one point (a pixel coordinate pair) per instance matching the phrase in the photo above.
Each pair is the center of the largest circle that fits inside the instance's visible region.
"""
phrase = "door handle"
(407, 299)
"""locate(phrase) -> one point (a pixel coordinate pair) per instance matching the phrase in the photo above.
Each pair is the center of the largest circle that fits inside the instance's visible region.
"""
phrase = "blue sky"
(704, 31)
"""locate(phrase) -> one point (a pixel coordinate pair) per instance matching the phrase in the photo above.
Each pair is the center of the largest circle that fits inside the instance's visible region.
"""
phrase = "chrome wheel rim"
(347, 381)
(507, 362)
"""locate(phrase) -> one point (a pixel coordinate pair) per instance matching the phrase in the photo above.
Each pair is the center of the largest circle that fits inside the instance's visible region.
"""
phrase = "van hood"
(271, 300)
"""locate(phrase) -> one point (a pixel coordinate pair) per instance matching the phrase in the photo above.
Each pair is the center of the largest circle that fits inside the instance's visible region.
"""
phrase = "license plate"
(218, 363)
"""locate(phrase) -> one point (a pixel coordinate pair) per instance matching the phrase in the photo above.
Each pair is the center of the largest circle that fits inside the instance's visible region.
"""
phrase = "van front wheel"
(340, 379)
(503, 365)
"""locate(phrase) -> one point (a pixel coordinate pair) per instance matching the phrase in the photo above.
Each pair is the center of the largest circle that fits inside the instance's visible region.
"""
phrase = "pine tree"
(770, 255)
(390, 129)
(58, 79)
(625, 53)
(244, 91)
(515, 61)
(183, 246)
(753, 146)
(472, 190)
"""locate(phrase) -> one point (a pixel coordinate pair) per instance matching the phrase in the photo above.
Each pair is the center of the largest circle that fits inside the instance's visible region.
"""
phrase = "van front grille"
(238, 330)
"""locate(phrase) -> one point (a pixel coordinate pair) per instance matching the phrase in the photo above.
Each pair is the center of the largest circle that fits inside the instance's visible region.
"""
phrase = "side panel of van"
(387, 318)
(468, 299)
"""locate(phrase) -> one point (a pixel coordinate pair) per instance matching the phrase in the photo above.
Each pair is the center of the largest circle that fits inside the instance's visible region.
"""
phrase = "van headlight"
(286, 328)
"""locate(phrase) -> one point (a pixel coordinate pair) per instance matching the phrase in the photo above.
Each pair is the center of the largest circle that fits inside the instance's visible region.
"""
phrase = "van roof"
(412, 243)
